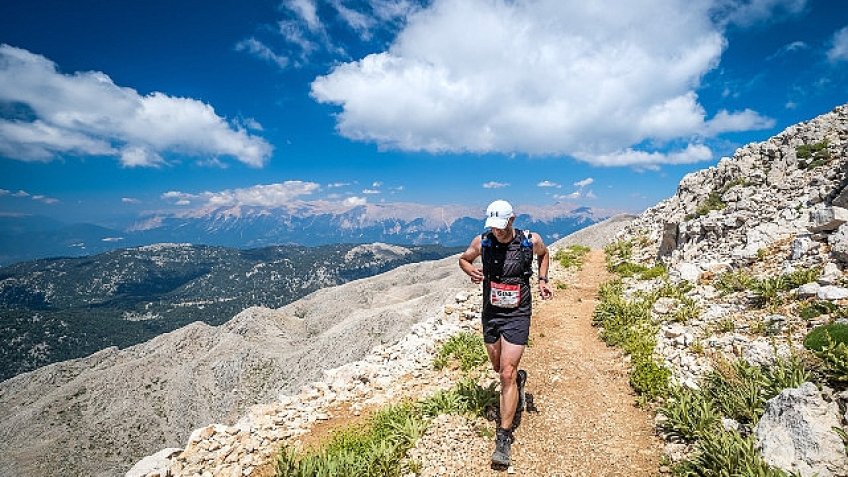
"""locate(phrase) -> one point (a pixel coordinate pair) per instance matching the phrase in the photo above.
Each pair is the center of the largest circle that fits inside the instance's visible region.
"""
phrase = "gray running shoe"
(522, 397)
(503, 441)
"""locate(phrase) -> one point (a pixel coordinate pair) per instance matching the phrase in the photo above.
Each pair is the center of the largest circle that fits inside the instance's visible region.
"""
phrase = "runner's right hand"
(476, 275)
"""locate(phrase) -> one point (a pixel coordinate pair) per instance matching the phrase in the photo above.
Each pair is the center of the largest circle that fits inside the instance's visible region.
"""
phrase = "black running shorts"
(515, 329)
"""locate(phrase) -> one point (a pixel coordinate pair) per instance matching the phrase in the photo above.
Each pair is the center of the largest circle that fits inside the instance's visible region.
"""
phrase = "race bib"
(505, 296)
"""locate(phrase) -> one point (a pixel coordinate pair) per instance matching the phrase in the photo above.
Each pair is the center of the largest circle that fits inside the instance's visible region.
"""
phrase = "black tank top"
(507, 264)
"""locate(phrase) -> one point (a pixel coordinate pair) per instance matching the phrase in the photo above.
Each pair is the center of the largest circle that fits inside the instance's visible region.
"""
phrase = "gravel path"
(586, 424)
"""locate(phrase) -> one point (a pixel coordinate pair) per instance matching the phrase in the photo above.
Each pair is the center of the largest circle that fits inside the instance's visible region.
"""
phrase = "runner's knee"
(508, 373)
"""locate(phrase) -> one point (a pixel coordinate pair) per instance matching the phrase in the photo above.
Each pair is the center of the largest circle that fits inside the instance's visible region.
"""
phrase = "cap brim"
(496, 222)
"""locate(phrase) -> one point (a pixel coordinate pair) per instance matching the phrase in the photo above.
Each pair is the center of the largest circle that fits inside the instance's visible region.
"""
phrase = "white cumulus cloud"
(561, 77)
(354, 201)
(263, 195)
(571, 196)
(548, 184)
(86, 113)
(495, 185)
(839, 47)
(584, 182)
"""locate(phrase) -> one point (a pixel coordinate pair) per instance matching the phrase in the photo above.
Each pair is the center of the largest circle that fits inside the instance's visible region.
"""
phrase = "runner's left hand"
(545, 291)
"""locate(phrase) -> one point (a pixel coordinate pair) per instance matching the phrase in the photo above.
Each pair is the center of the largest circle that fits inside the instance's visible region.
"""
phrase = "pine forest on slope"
(58, 309)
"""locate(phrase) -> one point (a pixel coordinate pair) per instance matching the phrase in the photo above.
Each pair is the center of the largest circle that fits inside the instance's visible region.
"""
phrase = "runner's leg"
(494, 352)
(510, 356)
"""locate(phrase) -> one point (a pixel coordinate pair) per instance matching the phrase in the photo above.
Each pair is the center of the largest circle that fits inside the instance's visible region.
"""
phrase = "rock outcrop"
(773, 208)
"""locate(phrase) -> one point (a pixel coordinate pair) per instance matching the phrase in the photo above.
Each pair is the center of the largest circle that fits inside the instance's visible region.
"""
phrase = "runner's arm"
(466, 261)
(544, 258)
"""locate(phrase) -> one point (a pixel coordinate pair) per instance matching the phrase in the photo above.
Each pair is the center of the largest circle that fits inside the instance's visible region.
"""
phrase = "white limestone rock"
(688, 272)
(796, 434)
(828, 218)
(159, 462)
(832, 292)
(839, 243)
(808, 289)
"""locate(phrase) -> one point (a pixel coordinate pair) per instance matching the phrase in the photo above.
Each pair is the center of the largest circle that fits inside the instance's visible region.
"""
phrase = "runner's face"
(503, 235)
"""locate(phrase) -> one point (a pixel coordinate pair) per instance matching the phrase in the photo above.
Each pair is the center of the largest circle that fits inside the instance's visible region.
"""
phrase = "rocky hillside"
(98, 415)
(756, 249)
(58, 309)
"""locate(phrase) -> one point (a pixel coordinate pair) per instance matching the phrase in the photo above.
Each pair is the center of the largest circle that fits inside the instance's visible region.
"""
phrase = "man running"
(507, 256)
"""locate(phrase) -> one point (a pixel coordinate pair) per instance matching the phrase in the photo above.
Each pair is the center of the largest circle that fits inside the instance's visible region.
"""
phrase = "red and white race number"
(505, 296)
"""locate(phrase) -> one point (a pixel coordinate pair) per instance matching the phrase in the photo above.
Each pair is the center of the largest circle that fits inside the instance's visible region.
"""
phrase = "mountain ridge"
(243, 226)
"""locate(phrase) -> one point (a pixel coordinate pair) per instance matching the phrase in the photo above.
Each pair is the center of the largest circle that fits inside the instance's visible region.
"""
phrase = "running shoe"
(503, 442)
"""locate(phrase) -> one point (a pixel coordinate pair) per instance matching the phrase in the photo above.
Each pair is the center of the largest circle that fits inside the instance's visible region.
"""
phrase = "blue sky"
(111, 109)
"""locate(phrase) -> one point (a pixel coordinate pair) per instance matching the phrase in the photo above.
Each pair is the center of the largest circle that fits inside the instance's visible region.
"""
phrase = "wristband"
(543, 279)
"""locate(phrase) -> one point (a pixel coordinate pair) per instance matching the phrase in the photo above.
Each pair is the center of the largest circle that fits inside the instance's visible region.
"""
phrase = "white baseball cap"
(498, 214)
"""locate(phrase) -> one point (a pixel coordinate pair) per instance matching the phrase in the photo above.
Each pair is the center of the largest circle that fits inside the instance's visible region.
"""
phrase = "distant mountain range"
(57, 309)
(311, 224)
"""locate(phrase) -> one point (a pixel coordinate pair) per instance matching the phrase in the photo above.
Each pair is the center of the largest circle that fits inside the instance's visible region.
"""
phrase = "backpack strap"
(485, 247)
(527, 251)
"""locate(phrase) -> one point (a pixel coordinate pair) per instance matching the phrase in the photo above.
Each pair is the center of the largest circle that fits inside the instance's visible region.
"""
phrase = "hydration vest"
(486, 242)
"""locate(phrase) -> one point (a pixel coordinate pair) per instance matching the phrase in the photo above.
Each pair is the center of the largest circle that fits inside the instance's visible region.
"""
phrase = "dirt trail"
(586, 424)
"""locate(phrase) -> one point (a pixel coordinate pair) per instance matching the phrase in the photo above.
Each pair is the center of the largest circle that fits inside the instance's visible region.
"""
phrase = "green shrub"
(375, 449)
(813, 309)
(617, 252)
(475, 398)
(725, 325)
(465, 347)
(726, 454)
(657, 271)
(673, 290)
(800, 277)
(572, 256)
(812, 155)
(689, 415)
(828, 343)
(817, 339)
(730, 282)
(767, 290)
(628, 324)
(443, 402)
(688, 310)
(785, 373)
(628, 269)
(739, 390)
(649, 378)
(736, 390)
(378, 447)
(713, 202)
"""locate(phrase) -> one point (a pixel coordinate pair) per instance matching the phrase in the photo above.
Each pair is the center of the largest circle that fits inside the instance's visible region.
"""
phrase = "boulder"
(828, 218)
(159, 462)
(688, 271)
(841, 200)
(832, 292)
(830, 274)
(796, 433)
(808, 289)
(799, 247)
(839, 243)
(669, 238)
